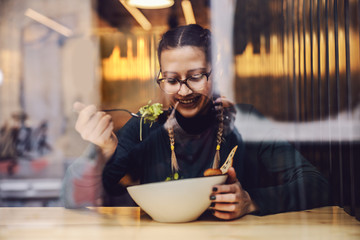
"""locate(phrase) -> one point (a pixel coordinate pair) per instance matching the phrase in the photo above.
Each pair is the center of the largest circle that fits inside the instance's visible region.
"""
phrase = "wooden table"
(131, 223)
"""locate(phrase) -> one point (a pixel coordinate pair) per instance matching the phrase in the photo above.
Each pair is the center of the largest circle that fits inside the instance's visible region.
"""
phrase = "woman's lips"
(188, 102)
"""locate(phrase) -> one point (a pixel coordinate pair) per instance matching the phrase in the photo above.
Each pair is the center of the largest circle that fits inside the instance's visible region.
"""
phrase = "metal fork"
(131, 113)
(121, 109)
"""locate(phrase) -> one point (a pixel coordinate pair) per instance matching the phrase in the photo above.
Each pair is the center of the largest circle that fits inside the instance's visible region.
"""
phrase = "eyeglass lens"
(172, 85)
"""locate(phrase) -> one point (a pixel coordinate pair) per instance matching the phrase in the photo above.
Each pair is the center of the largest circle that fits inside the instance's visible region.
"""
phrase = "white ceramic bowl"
(181, 200)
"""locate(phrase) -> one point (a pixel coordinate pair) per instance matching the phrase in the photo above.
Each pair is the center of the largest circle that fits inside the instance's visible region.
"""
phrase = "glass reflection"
(298, 62)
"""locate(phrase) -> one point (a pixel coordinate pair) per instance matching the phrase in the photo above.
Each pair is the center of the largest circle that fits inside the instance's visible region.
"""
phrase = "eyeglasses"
(195, 82)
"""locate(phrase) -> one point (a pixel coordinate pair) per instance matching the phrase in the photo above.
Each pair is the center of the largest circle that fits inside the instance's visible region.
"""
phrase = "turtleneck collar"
(198, 123)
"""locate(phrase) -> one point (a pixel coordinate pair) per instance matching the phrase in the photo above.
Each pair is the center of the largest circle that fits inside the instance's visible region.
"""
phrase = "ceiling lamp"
(137, 14)
(1, 77)
(48, 22)
(150, 4)
(188, 12)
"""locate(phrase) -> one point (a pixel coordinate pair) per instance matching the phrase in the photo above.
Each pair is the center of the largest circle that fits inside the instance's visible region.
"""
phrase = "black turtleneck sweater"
(150, 159)
(199, 123)
(275, 175)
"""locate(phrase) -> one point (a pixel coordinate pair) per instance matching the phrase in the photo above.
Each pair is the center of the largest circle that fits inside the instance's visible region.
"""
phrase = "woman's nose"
(184, 90)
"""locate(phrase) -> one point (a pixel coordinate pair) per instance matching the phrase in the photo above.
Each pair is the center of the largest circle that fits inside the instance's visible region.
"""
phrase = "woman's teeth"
(187, 101)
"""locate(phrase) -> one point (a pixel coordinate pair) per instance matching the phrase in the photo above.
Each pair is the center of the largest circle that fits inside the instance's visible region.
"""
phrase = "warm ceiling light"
(139, 17)
(150, 4)
(1, 77)
(188, 12)
(48, 22)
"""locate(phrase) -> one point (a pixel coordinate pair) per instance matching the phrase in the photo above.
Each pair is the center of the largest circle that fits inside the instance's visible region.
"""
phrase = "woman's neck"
(198, 123)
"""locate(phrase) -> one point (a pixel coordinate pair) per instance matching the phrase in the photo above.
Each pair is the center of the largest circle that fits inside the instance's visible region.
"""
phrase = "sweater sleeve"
(127, 159)
(293, 184)
(279, 178)
(81, 185)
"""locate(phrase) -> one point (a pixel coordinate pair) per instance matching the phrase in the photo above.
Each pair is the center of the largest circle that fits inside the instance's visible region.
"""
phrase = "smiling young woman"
(196, 134)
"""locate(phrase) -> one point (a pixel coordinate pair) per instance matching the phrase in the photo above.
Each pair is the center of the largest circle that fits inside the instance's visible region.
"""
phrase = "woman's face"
(181, 63)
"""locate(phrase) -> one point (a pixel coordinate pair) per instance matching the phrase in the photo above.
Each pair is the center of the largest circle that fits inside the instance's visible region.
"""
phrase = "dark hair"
(189, 35)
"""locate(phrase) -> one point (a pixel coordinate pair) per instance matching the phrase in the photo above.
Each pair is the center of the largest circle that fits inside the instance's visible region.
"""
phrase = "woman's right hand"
(96, 127)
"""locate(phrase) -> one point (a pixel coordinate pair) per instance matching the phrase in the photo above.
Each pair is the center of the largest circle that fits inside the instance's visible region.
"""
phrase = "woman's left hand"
(230, 200)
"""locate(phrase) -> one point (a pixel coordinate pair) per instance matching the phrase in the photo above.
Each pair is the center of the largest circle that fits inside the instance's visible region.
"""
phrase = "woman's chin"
(188, 112)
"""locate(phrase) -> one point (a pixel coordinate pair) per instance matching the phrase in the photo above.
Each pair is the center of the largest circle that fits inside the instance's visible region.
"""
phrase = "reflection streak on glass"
(307, 81)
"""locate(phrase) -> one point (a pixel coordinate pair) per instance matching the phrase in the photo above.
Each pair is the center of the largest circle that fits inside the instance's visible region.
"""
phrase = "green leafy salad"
(149, 114)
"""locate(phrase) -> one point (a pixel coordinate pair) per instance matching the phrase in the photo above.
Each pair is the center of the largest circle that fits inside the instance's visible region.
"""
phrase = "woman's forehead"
(184, 51)
(189, 56)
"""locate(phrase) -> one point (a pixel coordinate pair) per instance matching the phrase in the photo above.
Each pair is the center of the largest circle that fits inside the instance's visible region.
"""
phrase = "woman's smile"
(188, 101)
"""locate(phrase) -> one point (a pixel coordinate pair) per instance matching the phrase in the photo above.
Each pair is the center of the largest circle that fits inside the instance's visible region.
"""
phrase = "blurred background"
(296, 61)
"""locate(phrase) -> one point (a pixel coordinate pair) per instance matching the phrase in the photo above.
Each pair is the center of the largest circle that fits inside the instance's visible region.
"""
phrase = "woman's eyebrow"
(197, 69)
(167, 72)
(188, 71)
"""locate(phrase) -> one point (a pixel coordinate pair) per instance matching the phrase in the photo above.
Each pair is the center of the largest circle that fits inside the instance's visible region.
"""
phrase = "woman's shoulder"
(136, 128)
(247, 110)
(138, 122)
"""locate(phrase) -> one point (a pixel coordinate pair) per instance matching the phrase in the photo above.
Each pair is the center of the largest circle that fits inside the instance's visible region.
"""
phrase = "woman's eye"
(171, 80)
(196, 76)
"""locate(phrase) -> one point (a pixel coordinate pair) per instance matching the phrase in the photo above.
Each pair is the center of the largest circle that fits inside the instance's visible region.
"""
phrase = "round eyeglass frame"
(158, 81)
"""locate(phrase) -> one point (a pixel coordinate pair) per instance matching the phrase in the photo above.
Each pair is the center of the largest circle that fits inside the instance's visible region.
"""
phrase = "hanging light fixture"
(137, 14)
(1, 77)
(57, 27)
(150, 4)
(188, 12)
